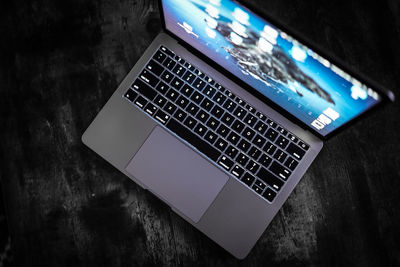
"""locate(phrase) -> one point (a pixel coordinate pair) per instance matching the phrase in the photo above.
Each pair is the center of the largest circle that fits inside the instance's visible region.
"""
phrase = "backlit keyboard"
(239, 139)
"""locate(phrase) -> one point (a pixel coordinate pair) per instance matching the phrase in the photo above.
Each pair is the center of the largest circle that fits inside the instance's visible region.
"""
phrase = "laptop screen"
(281, 68)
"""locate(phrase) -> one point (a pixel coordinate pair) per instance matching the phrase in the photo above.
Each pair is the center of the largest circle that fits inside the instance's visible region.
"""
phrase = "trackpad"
(177, 174)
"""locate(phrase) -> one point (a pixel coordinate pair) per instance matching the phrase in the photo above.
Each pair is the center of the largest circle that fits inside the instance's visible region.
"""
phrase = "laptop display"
(293, 76)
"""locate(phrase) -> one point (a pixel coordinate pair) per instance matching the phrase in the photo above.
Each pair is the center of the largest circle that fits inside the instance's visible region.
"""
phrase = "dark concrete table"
(61, 60)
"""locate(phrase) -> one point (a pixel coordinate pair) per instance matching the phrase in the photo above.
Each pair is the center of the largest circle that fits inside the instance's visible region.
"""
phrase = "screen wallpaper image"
(278, 66)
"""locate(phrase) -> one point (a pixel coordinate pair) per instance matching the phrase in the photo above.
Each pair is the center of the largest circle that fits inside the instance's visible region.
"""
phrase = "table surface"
(59, 63)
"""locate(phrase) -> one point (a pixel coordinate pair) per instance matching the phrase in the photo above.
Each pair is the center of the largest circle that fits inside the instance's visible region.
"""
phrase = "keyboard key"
(232, 152)
(240, 101)
(180, 115)
(257, 189)
(238, 126)
(295, 151)
(254, 153)
(209, 91)
(197, 97)
(172, 94)
(261, 127)
(270, 179)
(242, 159)
(190, 122)
(291, 163)
(155, 68)
(213, 123)
(145, 90)
(230, 105)
(279, 170)
(261, 116)
(248, 179)
(304, 145)
(169, 64)
(207, 104)
(208, 79)
(141, 102)
(240, 112)
(162, 117)
(149, 78)
(280, 156)
(211, 137)
(223, 130)
(187, 90)
(179, 70)
(189, 77)
(192, 109)
(180, 60)
(259, 141)
(150, 109)
(251, 109)
(233, 138)
(227, 119)
(199, 84)
(282, 142)
(248, 133)
(244, 145)
(272, 123)
(219, 87)
(221, 144)
(162, 88)
(219, 98)
(167, 51)
(202, 116)
(271, 134)
(230, 94)
(131, 95)
(265, 160)
(293, 138)
(200, 129)
(160, 57)
(269, 148)
(269, 194)
(167, 76)
(182, 102)
(160, 101)
(250, 120)
(260, 184)
(193, 139)
(252, 167)
(282, 131)
(170, 108)
(237, 171)
(177, 83)
(190, 66)
(226, 163)
(217, 112)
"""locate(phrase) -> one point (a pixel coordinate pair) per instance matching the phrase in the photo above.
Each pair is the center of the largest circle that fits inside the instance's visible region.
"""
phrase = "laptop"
(224, 113)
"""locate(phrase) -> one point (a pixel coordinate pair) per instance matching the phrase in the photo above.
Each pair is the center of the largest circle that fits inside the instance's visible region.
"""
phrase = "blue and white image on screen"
(278, 66)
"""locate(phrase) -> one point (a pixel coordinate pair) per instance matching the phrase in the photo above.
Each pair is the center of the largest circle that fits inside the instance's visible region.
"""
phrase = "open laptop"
(224, 113)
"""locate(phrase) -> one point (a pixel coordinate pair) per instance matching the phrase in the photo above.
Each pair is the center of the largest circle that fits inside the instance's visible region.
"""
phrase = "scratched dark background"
(59, 63)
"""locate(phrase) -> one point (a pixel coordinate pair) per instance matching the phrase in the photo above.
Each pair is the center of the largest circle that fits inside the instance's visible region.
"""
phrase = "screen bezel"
(386, 94)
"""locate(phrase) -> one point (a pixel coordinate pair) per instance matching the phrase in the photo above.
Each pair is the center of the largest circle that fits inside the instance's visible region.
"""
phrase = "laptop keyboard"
(241, 140)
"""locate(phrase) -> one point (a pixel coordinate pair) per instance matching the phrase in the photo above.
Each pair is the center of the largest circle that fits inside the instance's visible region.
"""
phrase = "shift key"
(270, 179)
(144, 89)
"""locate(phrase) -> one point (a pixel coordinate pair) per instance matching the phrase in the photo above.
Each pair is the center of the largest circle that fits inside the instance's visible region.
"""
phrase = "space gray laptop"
(223, 114)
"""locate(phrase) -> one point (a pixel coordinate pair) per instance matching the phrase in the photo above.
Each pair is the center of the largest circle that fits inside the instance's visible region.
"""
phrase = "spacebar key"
(193, 139)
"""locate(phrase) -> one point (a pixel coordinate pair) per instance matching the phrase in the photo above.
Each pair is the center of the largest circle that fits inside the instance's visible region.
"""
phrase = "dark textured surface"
(59, 63)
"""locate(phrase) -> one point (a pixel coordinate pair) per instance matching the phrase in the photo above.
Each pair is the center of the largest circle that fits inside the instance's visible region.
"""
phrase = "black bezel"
(387, 95)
